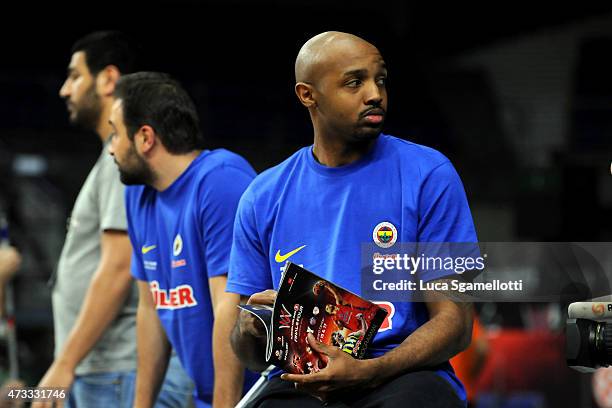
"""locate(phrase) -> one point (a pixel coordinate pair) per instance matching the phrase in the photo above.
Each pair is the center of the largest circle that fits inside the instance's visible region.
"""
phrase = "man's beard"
(138, 172)
(88, 111)
(366, 133)
(363, 138)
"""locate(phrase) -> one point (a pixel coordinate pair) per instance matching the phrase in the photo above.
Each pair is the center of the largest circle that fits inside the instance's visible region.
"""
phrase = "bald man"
(318, 207)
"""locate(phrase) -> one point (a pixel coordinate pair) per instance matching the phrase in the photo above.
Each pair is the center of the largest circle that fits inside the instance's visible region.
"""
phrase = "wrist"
(372, 372)
(142, 399)
(65, 363)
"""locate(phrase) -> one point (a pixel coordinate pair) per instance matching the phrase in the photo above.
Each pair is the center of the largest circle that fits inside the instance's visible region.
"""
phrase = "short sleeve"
(249, 270)
(444, 213)
(137, 265)
(221, 192)
(110, 196)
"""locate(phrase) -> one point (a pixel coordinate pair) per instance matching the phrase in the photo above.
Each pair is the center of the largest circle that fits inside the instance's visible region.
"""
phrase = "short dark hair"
(157, 100)
(103, 48)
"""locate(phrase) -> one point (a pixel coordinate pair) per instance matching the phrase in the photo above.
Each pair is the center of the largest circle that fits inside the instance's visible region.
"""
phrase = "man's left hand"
(342, 371)
(57, 376)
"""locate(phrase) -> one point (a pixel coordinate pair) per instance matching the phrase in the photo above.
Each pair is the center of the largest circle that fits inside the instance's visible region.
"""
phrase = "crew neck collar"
(347, 168)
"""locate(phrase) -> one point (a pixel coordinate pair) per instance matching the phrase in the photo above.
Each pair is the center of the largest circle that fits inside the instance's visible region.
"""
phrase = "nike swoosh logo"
(146, 249)
(282, 258)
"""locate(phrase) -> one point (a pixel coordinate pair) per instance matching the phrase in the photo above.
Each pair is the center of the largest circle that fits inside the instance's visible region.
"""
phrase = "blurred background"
(519, 98)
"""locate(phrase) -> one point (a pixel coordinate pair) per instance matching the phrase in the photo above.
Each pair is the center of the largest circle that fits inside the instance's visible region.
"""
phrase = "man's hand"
(248, 338)
(4, 391)
(342, 371)
(267, 297)
(57, 376)
(250, 324)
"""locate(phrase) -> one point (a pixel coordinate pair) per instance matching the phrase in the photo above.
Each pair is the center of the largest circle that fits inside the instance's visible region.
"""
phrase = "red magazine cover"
(307, 303)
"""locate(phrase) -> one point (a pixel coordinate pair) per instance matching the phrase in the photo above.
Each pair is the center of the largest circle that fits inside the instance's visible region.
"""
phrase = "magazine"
(306, 303)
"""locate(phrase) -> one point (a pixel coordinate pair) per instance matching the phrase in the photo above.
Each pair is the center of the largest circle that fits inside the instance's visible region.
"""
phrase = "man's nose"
(64, 91)
(374, 95)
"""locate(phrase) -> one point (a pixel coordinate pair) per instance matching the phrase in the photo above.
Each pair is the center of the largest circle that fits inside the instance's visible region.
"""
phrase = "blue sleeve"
(220, 196)
(136, 265)
(249, 270)
(444, 213)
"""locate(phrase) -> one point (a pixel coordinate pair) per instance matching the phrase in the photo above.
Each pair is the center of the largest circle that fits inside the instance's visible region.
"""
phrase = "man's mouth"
(374, 116)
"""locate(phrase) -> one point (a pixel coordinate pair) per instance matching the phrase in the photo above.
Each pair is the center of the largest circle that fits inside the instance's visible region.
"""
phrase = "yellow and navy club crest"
(385, 234)
(177, 247)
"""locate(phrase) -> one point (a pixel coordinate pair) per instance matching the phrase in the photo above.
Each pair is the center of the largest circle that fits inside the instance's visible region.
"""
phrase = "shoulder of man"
(220, 159)
(425, 157)
(271, 181)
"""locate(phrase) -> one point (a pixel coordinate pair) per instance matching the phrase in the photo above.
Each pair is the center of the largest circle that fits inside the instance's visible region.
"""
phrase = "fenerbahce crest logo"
(177, 246)
(384, 235)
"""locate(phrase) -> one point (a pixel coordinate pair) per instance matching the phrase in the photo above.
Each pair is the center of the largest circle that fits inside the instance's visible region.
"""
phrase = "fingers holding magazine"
(342, 371)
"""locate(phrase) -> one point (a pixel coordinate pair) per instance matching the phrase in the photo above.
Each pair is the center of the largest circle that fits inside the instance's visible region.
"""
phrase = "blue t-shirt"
(320, 216)
(181, 238)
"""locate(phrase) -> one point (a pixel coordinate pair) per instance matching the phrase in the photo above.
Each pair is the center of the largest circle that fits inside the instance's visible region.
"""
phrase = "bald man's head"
(323, 51)
(341, 79)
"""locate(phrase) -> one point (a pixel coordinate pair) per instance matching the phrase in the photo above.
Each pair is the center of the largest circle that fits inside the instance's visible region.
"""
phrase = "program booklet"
(307, 303)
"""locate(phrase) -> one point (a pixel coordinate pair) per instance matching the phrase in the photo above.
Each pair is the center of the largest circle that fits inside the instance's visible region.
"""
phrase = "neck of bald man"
(335, 151)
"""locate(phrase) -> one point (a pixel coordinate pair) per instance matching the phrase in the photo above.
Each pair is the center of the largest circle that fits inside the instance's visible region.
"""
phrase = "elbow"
(461, 343)
(464, 338)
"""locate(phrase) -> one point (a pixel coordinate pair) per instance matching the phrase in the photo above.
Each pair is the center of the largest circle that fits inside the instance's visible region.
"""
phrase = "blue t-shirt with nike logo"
(181, 238)
(320, 216)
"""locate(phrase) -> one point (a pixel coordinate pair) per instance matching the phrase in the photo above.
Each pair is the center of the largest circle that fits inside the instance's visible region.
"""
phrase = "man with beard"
(321, 205)
(94, 296)
(181, 201)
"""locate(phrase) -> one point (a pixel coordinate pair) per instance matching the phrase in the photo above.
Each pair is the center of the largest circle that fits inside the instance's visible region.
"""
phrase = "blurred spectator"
(94, 296)
(10, 260)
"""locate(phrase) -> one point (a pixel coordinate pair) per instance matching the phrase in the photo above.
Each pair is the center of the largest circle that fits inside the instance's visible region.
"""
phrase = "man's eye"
(382, 81)
(354, 83)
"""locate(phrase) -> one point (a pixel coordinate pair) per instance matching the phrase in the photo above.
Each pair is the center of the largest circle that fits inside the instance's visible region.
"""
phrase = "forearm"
(104, 299)
(153, 355)
(229, 372)
(447, 333)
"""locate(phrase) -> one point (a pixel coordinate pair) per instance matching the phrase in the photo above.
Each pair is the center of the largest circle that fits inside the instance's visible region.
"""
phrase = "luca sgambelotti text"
(458, 265)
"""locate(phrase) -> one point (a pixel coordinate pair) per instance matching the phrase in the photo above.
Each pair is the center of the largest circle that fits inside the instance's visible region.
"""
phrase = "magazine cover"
(307, 303)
